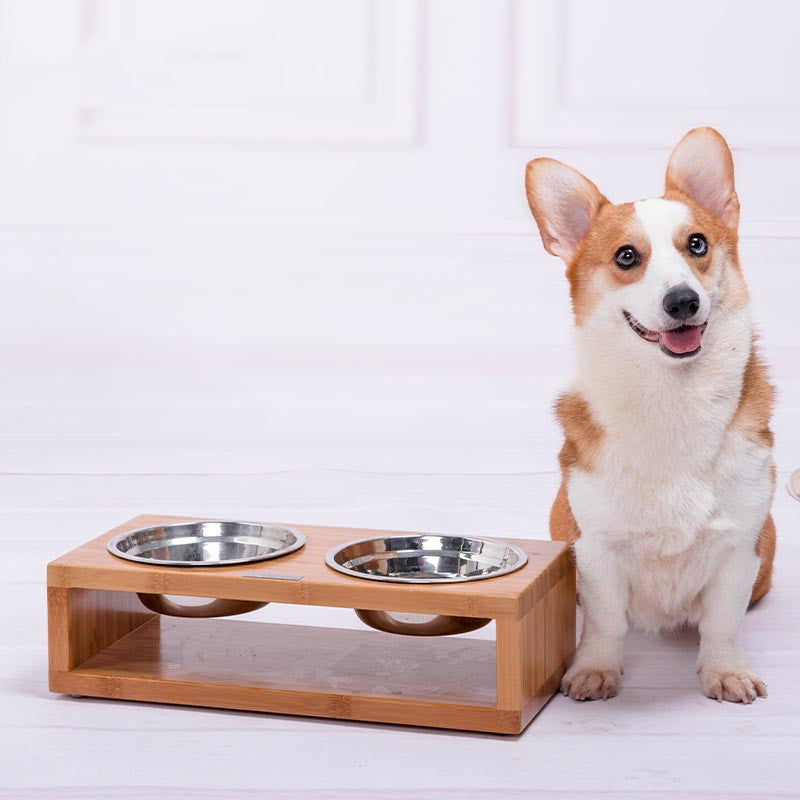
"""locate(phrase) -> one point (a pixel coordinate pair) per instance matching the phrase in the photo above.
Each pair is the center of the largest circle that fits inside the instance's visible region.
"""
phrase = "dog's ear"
(701, 167)
(563, 202)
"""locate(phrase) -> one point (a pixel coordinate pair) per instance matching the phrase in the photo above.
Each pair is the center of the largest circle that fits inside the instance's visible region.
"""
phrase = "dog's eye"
(698, 246)
(626, 257)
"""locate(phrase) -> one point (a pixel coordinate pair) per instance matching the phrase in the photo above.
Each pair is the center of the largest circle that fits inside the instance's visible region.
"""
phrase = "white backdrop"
(273, 260)
(250, 236)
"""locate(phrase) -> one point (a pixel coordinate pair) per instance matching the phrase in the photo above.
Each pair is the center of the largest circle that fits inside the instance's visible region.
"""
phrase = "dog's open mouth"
(679, 342)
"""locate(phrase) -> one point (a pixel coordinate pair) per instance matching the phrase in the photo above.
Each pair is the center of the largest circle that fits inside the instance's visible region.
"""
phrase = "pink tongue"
(682, 340)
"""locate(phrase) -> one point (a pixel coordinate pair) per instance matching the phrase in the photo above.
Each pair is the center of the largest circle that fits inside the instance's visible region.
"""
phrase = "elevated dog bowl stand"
(104, 643)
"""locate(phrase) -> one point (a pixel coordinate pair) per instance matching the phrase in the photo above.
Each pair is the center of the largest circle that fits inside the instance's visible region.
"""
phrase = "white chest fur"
(673, 485)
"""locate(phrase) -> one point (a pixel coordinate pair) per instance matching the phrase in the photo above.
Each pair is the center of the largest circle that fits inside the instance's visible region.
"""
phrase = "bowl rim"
(331, 562)
(299, 542)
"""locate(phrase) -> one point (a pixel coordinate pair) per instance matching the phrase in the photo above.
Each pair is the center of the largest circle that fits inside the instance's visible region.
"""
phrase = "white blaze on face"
(666, 268)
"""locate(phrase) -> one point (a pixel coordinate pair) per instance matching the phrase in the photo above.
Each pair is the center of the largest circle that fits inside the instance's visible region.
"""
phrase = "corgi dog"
(667, 471)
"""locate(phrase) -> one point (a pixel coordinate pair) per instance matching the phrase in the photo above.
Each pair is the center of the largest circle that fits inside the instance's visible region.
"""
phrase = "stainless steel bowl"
(207, 543)
(424, 559)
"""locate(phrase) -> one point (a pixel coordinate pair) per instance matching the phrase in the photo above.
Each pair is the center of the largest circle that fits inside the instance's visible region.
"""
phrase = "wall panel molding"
(338, 74)
(333, 228)
(594, 75)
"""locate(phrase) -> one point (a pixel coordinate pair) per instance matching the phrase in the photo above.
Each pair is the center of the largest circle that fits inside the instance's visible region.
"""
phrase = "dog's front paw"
(584, 683)
(735, 686)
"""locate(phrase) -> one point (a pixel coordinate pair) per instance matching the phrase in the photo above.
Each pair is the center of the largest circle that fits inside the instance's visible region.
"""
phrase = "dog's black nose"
(681, 302)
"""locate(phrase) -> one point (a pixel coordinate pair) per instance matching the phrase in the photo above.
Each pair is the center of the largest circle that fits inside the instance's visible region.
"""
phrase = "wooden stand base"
(104, 643)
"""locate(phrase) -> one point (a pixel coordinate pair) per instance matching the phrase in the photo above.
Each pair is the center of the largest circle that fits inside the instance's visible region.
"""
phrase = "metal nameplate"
(273, 575)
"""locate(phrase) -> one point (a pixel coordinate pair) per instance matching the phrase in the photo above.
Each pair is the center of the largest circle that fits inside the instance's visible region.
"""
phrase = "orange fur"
(563, 527)
(582, 435)
(709, 180)
(593, 267)
(546, 180)
(765, 550)
(752, 418)
(723, 245)
(753, 414)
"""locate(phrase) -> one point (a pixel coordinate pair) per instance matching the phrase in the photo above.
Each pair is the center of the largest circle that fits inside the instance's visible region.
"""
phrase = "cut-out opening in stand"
(268, 649)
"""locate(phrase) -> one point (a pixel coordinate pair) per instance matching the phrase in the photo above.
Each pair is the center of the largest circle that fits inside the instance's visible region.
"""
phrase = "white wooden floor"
(659, 738)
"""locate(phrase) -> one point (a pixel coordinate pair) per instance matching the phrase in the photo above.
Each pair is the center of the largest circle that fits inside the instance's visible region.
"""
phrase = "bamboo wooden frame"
(104, 643)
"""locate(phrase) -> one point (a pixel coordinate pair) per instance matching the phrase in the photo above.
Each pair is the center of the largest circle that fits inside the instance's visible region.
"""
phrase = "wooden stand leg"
(82, 622)
(511, 664)
(533, 651)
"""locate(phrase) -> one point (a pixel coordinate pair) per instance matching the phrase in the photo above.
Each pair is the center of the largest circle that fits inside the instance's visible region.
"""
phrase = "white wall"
(249, 235)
